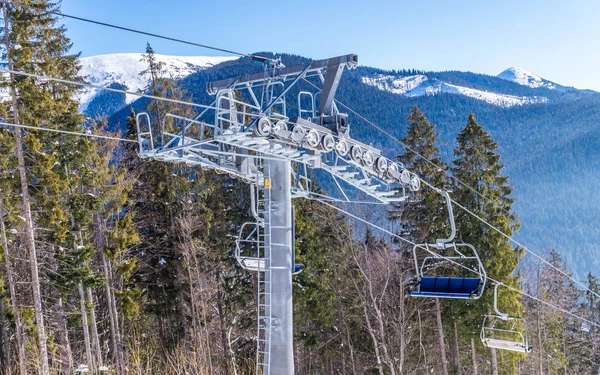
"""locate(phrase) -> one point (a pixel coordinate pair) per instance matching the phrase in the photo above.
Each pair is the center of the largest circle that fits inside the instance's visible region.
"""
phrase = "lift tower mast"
(247, 133)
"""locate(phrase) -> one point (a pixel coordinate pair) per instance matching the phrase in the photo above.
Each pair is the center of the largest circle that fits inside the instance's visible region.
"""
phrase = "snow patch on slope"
(421, 85)
(525, 78)
(124, 68)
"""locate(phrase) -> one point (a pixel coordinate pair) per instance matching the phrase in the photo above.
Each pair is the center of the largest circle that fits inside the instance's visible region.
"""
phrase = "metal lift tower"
(248, 133)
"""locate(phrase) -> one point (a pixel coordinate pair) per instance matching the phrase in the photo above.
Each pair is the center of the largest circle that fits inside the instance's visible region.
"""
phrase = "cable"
(67, 132)
(84, 84)
(58, 13)
(261, 59)
(343, 105)
(460, 265)
(511, 239)
(310, 83)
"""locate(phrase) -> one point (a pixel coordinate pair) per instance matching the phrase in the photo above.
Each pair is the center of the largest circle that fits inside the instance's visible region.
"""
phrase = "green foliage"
(130, 302)
(425, 217)
(485, 192)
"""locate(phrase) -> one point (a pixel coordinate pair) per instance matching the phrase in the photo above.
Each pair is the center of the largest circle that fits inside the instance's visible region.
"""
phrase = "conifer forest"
(114, 264)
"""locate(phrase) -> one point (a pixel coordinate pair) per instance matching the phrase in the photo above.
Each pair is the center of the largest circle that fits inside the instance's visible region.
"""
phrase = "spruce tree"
(425, 216)
(486, 192)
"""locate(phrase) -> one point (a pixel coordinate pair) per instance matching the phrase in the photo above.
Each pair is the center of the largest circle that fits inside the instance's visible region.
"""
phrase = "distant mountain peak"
(526, 78)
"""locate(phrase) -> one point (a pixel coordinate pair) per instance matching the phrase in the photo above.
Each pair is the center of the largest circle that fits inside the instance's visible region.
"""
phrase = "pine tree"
(485, 192)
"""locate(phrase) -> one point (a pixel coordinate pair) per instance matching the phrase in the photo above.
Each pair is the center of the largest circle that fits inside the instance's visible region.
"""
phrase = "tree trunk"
(224, 341)
(198, 347)
(342, 318)
(29, 237)
(494, 362)
(3, 347)
(370, 329)
(458, 368)
(13, 293)
(115, 339)
(474, 357)
(207, 343)
(421, 346)
(438, 312)
(63, 336)
(63, 333)
(84, 323)
(94, 326)
(184, 321)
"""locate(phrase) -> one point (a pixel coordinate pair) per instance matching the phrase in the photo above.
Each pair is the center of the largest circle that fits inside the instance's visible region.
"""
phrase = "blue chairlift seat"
(447, 287)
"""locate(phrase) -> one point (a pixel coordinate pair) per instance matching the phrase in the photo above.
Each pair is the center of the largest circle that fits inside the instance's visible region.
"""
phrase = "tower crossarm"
(335, 63)
(242, 128)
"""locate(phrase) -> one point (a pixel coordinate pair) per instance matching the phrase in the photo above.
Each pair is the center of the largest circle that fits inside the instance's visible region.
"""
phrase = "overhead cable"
(159, 36)
(511, 239)
(460, 265)
(98, 136)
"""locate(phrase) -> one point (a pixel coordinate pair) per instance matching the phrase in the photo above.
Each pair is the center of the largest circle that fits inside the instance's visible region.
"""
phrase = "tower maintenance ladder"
(263, 340)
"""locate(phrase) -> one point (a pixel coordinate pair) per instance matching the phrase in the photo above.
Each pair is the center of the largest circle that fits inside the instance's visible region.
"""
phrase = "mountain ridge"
(123, 69)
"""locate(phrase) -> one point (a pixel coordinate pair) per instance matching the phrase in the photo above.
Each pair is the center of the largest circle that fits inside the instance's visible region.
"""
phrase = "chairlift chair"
(441, 286)
(508, 337)
(249, 246)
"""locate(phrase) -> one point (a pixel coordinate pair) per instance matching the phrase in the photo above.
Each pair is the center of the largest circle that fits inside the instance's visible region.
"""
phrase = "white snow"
(124, 68)
(525, 78)
(421, 85)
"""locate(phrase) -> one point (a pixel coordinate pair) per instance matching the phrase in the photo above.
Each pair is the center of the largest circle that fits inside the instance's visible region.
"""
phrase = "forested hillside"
(121, 265)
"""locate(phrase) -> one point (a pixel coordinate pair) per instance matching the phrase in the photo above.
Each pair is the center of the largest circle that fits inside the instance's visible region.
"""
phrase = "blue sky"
(557, 40)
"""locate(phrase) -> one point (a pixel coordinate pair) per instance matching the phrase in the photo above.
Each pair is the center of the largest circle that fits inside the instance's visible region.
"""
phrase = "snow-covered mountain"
(421, 85)
(124, 68)
(525, 78)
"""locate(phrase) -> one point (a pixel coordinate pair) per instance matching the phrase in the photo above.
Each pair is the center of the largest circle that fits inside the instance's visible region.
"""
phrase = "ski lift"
(460, 253)
(510, 335)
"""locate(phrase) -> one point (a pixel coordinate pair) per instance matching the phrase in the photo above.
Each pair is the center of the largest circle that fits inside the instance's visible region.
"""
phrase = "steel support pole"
(282, 339)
